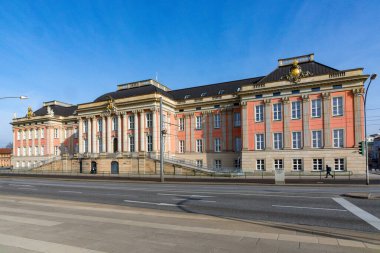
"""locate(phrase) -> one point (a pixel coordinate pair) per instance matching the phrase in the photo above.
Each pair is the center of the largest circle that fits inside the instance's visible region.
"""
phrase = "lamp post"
(371, 78)
(20, 97)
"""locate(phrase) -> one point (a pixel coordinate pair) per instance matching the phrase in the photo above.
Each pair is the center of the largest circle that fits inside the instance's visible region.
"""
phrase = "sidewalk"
(45, 225)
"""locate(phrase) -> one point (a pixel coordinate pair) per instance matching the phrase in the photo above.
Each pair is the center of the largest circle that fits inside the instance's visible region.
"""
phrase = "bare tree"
(9, 145)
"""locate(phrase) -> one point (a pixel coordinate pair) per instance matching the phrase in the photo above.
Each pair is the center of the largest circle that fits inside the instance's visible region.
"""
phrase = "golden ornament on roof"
(296, 73)
(30, 113)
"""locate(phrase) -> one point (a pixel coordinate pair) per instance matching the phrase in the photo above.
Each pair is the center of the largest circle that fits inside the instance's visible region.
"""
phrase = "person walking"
(328, 171)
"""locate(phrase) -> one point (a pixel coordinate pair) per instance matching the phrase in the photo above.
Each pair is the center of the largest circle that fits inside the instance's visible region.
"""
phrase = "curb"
(362, 195)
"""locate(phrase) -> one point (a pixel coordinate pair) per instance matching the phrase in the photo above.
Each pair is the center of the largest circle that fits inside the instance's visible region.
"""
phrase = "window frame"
(297, 166)
(277, 111)
(258, 141)
(317, 110)
(296, 111)
(320, 139)
(260, 166)
(298, 141)
(316, 164)
(342, 135)
(278, 141)
(278, 164)
(335, 108)
(259, 113)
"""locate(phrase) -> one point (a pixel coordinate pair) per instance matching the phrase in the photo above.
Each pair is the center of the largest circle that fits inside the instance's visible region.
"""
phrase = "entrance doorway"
(80, 166)
(114, 167)
(115, 145)
(93, 168)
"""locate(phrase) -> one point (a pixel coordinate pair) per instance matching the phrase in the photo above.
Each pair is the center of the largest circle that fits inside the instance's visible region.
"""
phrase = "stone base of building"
(353, 161)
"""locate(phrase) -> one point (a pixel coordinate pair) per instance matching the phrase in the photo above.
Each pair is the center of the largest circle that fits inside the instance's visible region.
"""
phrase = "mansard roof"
(58, 110)
(213, 89)
(131, 92)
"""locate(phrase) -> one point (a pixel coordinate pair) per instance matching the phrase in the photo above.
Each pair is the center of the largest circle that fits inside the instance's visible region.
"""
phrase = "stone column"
(268, 120)
(119, 137)
(142, 131)
(244, 124)
(224, 130)
(33, 144)
(204, 128)
(286, 134)
(168, 136)
(103, 132)
(210, 129)
(154, 130)
(136, 132)
(125, 130)
(192, 129)
(39, 141)
(95, 145)
(358, 104)
(51, 140)
(187, 133)
(89, 135)
(230, 130)
(109, 134)
(305, 121)
(326, 120)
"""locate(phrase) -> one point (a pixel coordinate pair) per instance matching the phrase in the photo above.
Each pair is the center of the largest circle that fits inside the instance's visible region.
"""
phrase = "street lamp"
(20, 97)
(371, 78)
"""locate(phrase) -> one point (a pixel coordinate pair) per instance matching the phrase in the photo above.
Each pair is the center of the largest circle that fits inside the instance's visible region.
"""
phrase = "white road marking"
(208, 201)
(150, 203)
(70, 192)
(199, 200)
(367, 217)
(181, 195)
(21, 185)
(38, 222)
(26, 188)
(315, 208)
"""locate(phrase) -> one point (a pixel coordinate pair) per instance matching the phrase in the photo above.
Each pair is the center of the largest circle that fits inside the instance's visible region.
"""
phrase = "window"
(55, 150)
(237, 164)
(199, 146)
(24, 135)
(65, 133)
(150, 143)
(149, 120)
(17, 164)
(55, 133)
(338, 86)
(18, 135)
(259, 96)
(217, 147)
(181, 124)
(317, 164)
(278, 164)
(18, 151)
(260, 164)
(85, 145)
(181, 146)
(100, 144)
(316, 108)
(203, 94)
(276, 94)
(339, 164)
(131, 119)
(295, 91)
(100, 125)
(199, 163)
(131, 144)
(277, 140)
(297, 164)
(277, 111)
(187, 96)
(36, 150)
(237, 121)
(28, 164)
(85, 126)
(296, 109)
(75, 133)
(42, 151)
(198, 122)
(30, 134)
(338, 138)
(259, 113)
(237, 144)
(35, 133)
(30, 151)
(296, 140)
(76, 148)
(316, 139)
(24, 151)
(217, 120)
(315, 89)
(337, 106)
(216, 106)
(217, 164)
(260, 143)
(23, 164)
(220, 92)
(114, 124)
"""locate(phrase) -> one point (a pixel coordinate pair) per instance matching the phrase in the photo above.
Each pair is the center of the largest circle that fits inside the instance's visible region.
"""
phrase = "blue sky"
(74, 51)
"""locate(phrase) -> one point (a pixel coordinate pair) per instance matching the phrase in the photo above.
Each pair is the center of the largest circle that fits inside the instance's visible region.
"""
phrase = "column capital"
(358, 92)
(326, 95)
(267, 101)
(305, 98)
(285, 100)
(243, 103)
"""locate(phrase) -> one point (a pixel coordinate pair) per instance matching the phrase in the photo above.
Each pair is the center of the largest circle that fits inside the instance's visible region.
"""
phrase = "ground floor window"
(317, 164)
(339, 164)
(17, 164)
(297, 164)
(260, 164)
(131, 144)
(278, 164)
(237, 163)
(150, 143)
(217, 164)
(199, 163)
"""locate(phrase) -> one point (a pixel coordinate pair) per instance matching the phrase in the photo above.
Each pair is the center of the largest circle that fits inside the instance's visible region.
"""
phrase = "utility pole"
(161, 143)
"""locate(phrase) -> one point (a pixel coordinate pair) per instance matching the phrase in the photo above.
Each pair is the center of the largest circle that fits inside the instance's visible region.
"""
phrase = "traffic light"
(361, 147)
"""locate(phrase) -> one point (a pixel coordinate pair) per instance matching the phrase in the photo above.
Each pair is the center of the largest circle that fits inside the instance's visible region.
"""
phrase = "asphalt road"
(306, 205)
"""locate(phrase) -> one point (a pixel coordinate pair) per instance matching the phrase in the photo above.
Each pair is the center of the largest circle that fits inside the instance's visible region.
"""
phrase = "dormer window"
(220, 92)
(238, 89)
(203, 94)
(187, 96)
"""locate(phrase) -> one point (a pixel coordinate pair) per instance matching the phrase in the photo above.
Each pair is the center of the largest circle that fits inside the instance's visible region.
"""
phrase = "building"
(300, 117)
(5, 157)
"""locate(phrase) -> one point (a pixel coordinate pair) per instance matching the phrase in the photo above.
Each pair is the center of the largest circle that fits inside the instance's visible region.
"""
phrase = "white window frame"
(198, 122)
(100, 125)
(18, 151)
(75, 133)
(297, 139)
(115, 123)
(260, 164)
(317, 164)
(131, 119)
(18, 135)
(24, 151)
(217, 164)
(30, 151)
(42, 151)
(260, 141)
(149, 120)
(338, 138)
(277, 112)
(55, 150)
(278, 141)
(339, 164)
(36, 133)
(278, 164)
(217, 145)
(337, 106)
(55, 133)
(131, 143)
(259, 113)
(181, 124)
(317, 139)
(316, 108)
(296, 109)
(85, 126)
(100, 144)
(238, 144)
(42, 132)
(65, 133)
(199, 146)
(217, 120)
(24, 135)
(199, 163)
(36, 149)
(297, 164)
(181, 146)
(30, 134)
(237, 119)
(149, 143)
